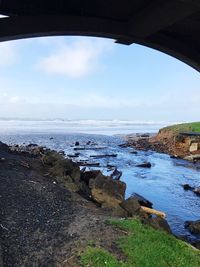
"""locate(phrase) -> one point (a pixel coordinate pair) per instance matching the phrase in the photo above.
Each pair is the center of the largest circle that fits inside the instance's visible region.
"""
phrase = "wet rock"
(187, 187)
(193, 226)
(142, 201)
(116, 174)
(197, 191)
(144, 165)
(106, 190)
(77, 143)
(159, 223)
(132, 206)
(134, 152)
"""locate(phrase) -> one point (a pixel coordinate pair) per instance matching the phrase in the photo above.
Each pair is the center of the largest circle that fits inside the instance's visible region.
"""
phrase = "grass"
(184, 127)
(144, 247)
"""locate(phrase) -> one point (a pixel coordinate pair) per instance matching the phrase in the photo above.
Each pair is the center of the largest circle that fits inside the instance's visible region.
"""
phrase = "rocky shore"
(50, 208)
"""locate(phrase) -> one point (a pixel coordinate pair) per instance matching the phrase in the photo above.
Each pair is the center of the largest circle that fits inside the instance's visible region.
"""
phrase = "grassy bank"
(184, 127)
(144, 247)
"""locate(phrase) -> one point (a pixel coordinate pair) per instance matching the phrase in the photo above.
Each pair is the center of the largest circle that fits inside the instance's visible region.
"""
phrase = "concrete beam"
(182, 50)
(159, 15)
(19, 27)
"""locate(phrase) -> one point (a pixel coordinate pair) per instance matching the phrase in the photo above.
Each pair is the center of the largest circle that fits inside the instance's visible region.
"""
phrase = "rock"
(51, 157)
(142, 201)
(193, 157)
(115, 211)
(132, 206)
(77, 143)
(159, 223)
(116, 174)
(196, 244)
(187, 187)
(106, 190)
(144, 135)
(144, 165)
(193, 226)
(193, 147)
(197, 190)
(86, 176)
(134, 152)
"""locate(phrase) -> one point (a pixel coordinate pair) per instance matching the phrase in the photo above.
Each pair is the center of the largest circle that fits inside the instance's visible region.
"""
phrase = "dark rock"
(144, 135)
(116, 174)
(106, 190)
(134, 152)
(32, 145)
(187, 187)
(197, 190)
(196, 244)
(193, 226)
(143, 201)
(144, 165)
(86, 176)
(132, 206)
(159, 223)
(124, 145)
(77, 143)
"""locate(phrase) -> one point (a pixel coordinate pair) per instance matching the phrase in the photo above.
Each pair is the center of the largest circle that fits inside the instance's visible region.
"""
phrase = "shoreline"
(36, 194)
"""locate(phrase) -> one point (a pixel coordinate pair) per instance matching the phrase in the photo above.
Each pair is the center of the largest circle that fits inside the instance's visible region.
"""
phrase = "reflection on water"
(161, 184)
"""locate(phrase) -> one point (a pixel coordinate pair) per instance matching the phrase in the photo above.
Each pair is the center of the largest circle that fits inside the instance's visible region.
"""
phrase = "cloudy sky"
(92, 78)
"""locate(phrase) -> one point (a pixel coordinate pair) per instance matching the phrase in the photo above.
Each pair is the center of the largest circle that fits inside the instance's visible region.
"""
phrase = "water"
(161, 184)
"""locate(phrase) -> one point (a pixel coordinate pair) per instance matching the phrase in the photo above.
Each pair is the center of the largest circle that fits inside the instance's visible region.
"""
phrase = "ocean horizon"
(107, 127)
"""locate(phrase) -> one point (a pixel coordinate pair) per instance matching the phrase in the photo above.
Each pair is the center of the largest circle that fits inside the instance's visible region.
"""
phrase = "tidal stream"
(161, 184)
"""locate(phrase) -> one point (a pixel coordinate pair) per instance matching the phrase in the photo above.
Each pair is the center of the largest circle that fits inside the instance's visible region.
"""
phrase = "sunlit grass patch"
(144, 247)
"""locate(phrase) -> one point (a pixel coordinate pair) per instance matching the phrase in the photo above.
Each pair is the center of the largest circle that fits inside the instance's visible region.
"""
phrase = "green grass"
(184, 127)
(144, 247)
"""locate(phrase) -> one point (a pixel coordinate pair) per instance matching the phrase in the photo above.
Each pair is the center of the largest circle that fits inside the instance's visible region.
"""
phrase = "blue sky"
(93, 78)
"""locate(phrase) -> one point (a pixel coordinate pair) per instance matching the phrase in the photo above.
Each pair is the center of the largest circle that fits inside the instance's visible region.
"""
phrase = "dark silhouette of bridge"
(171, 26)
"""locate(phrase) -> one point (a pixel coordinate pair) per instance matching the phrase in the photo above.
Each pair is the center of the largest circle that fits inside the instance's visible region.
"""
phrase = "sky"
(94, 78)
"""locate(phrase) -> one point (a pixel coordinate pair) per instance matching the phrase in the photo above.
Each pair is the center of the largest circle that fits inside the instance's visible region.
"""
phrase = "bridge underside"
(171, 26)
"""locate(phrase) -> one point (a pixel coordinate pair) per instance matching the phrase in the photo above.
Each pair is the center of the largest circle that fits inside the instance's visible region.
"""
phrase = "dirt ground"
(42, 223)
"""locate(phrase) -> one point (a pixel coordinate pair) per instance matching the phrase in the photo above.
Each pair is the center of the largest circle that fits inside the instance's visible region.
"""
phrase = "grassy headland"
(144, 247)
(183, 127)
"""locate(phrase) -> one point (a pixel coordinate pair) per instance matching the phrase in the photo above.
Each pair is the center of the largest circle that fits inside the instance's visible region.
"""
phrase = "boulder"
(144, 165)
(51, 157)
(106, 190)
(193, 226)
(142, 201)
(132, 206)
(197, 190)
(86, 176)
(159, 223)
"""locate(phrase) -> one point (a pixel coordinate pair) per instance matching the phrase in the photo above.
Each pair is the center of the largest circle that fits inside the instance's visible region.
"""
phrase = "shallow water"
(161, 184)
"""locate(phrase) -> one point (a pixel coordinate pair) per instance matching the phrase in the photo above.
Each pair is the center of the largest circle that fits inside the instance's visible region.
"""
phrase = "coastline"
(36, 195)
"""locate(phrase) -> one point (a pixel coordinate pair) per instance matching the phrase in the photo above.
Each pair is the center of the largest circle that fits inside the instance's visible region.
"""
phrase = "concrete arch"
(172, 27)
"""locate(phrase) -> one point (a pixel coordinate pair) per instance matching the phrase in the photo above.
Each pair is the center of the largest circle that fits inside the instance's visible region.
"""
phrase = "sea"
(161, 184)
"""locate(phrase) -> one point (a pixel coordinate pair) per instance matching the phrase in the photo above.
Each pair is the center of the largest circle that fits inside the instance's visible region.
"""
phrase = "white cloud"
(7, 53)
(15, 99)
(75, 59)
